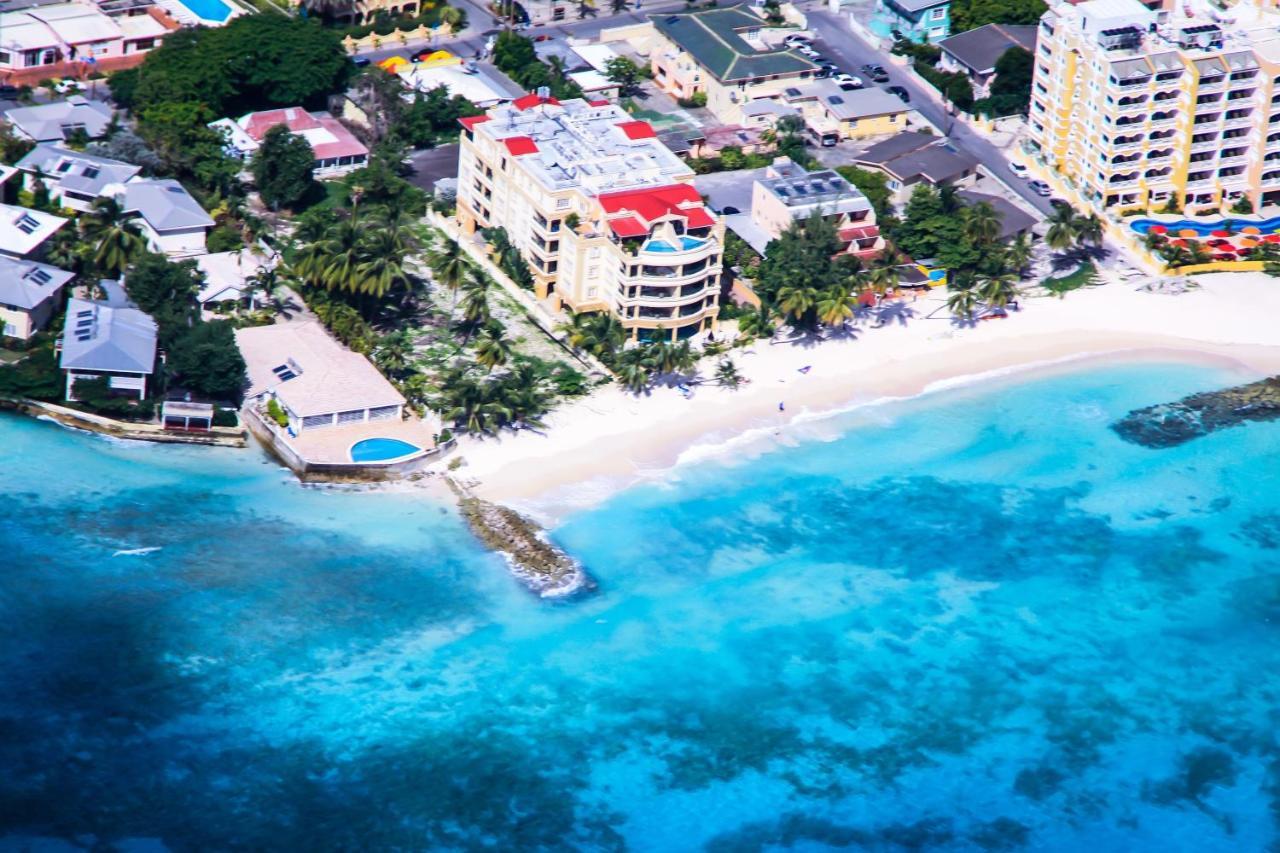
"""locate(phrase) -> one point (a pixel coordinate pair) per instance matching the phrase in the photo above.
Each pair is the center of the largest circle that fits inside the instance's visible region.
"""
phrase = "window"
(27, 224)
(37, 275)
(6, 58)
(90, 172)
(938, 14)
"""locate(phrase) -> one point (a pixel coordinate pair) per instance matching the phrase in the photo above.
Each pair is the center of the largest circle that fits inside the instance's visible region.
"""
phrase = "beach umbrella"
(1188, 232)
(1182, 244)
(1251, 229)
(1249, 241)
(1221, 233)
(1157, 229)
(1271, 238)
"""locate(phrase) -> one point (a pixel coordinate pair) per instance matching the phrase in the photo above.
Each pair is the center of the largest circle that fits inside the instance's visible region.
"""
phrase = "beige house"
(723, 53)
(605, 215)
(1142, 105)
(787, 193)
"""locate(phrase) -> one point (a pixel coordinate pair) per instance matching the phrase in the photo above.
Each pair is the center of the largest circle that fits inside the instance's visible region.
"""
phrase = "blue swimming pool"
(686, 243)
(1204, 229)
(209, 10)
(381, 449)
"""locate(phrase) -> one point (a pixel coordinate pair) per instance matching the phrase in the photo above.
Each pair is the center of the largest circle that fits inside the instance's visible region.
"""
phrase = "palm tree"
(1062, 233)
(836, 306)
(758, 323)
(666, 357)
(633, 370)
(963, 302)
(493, 350)
(449, 264)
(798, 300)
(982, 224)
(382, 269)
(394, 352)
(1089, 229)
(997, 290)
(1019, 254)
(727, 374)
(116, 239)
(343, 254)
(882, 277)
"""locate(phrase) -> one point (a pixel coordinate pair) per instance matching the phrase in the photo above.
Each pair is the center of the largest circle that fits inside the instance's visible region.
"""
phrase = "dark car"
(8, 93)
(876, 72)
(730, 210)
(903, 94)
(1059, 202)
(358, 62)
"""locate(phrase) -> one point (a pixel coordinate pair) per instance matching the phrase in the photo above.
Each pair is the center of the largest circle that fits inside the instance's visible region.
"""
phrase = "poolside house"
(108, 337)
(173, 222)
(316, 381)
(227, 276)
(75, 180)
(787, 193)
(29, 295)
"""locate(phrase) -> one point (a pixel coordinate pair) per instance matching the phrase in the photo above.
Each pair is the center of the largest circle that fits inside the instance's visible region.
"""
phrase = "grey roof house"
(53, 122)
(173, 222)
(918, 158)
(1013, 219)
(75, 179)
(28, 295)
(109, 337)
(975, 52)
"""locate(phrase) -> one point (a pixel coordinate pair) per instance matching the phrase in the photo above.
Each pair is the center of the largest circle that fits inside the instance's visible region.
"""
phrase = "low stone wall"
(275, 442)
(217, 436)
(373, 41)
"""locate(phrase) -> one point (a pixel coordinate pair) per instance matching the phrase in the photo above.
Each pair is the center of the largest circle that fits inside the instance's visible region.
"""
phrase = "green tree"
(116, 239)
(493, 349)
(1063, 231)
(971, 14)
(625, 73)
(997, 290)
(963, 303)
(982, 224)
(728, 375)
(284, 168)
(167, 291)
(836, 306)
(875, 186)
(207, 361)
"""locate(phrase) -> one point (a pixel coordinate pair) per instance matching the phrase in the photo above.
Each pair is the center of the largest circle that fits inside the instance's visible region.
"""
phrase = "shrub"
(699, 99)
(225, 418)
(276, 413)
(224, 239)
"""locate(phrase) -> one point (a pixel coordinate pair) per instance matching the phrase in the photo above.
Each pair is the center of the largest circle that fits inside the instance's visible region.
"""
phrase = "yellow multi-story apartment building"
(606, 215)
(1137, 104)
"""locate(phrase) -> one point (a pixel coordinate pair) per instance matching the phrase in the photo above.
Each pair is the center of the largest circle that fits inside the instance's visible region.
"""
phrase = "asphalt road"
(848, 50)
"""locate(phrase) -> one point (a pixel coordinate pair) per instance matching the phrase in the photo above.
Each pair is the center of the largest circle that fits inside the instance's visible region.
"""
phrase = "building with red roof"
(605, 215)
(337, 150)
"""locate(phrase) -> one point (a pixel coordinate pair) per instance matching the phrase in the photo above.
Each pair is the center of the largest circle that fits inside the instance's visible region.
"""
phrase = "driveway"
(851, 52)
(431, 164)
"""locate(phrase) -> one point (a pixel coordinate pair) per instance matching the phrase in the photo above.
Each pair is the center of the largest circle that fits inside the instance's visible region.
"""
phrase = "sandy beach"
(612, 439)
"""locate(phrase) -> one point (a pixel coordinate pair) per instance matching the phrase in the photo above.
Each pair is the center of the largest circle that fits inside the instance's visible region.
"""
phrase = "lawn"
(1086, 275)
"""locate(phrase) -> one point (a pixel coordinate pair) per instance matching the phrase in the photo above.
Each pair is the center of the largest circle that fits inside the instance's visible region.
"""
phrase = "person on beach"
(782, 407)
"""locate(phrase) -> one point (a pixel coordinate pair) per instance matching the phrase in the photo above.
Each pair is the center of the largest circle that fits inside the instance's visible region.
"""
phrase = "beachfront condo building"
(1138, 105)
(605, 215)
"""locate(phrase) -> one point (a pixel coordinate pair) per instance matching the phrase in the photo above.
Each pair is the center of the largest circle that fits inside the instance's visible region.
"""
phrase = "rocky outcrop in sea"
(543, 566)
(1169, 424)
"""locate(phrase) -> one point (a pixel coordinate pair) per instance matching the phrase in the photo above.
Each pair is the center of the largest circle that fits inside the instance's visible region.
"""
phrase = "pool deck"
(332, 445)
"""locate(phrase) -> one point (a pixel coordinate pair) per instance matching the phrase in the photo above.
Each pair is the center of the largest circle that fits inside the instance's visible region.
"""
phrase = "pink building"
(336, 148)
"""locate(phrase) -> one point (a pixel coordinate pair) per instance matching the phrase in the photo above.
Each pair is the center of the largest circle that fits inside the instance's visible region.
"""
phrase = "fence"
(373, 41)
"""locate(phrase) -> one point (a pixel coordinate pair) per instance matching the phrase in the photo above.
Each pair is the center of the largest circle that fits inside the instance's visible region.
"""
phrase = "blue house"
(917, 20)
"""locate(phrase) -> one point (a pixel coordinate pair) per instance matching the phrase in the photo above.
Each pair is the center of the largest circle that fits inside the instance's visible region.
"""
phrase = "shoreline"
(610, 441)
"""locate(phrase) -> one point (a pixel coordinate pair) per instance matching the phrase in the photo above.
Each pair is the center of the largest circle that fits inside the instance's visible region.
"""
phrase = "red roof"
(470, 122)
(597, 103)
(638, 130)
(628, 226)
(652, 204)
(859, 232)
(532, 100)
(519, 145)
(326, 135)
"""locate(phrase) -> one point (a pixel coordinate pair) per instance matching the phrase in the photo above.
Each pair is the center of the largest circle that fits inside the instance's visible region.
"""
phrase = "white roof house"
(56, 26)
(318, 381)
(225, 274)
(53, 122)
(477, 86)
(22, 229)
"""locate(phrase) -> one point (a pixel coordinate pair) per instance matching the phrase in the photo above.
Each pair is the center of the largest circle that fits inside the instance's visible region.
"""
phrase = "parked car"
(1060, 202)
(8, 93)
(807, 50)
(876, 72)
(67, 86)
(1040, 188)
(820, 59)
(903, 94)
(1018, 169)
(848, 78)
(360, 61)
(797, 40)
(822, 74)
(850, 87)
(729, 210)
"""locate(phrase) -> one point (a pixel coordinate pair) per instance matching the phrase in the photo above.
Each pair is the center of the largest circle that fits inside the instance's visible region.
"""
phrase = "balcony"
(1130, 84)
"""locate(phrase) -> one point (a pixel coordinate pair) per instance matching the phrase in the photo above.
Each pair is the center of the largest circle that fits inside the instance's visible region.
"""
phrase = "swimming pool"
(1205, 229)
(209, 10)
(381, 449)
(686, 244)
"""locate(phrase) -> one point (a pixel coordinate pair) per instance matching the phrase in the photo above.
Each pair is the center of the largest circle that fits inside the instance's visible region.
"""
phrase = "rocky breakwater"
(544, 567)
(1169, 424)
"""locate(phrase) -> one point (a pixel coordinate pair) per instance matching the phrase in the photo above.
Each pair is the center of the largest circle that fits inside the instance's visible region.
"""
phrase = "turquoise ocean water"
(972, 621)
